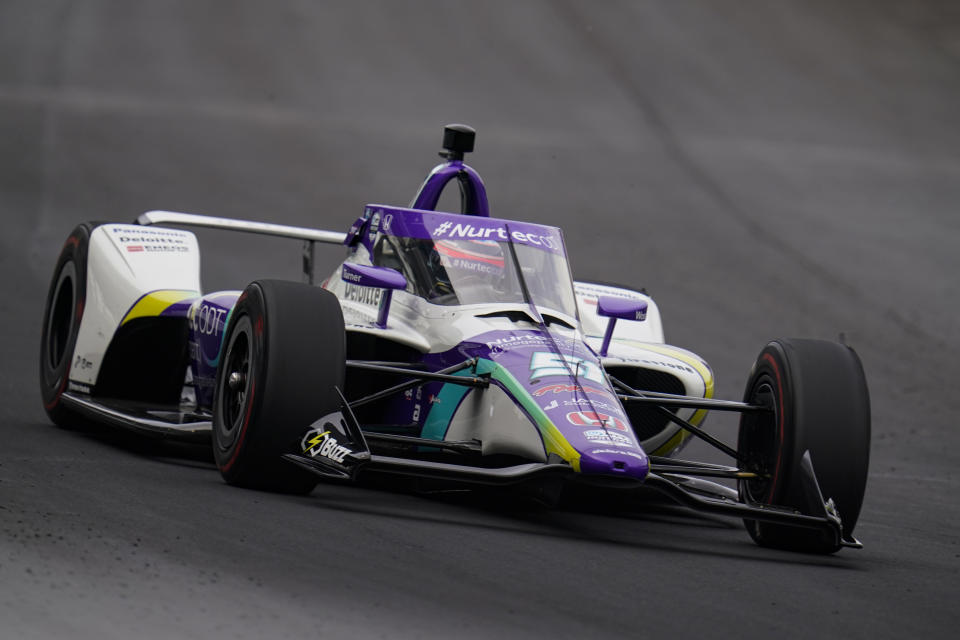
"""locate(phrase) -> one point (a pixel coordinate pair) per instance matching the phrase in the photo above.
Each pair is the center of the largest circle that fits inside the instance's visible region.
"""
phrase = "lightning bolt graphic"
(315, 441)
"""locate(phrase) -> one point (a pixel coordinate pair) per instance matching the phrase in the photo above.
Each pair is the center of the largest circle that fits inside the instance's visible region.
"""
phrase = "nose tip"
(615, 462)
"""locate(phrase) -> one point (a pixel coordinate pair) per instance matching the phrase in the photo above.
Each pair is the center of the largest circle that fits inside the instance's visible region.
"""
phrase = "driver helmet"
(480, 258)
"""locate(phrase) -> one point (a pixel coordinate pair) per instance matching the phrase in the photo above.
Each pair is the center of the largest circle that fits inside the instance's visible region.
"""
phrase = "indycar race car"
(453, 347)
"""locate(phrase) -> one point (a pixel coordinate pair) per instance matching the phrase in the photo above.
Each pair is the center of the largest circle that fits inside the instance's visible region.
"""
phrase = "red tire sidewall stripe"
(769, 359)
(243, 427)
(56, 399)
(49, 406)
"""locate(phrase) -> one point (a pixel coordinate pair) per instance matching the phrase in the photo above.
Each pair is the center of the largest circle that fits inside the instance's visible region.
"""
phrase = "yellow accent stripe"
(553, 439)
(156, 302)
(708, 385)
(697, 364)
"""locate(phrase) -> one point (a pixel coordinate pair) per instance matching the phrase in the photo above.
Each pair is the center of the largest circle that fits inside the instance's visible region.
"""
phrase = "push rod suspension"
(671, 400)
(670, 415)
(419, 378)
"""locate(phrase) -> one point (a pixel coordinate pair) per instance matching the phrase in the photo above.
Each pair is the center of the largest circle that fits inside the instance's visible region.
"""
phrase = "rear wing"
(309, 236)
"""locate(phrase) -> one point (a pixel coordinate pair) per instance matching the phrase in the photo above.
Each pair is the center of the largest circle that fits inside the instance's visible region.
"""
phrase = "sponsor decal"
(387, 221)
(82, 363)
(137, 234)
(607, 442)
(144, 240)
(593, 419)
(632, 454)
(544, 364)
(364, 295)
(469, 265)
(352, 277)
(607, 436)
(77, 386)
(565, 388)
(374, 226)
(590, 403)
(506, 343)
(553, 405)
(157, 248)
(321, 443)
(208, 320)
(518, 341)
(587, 289)
(448, 229)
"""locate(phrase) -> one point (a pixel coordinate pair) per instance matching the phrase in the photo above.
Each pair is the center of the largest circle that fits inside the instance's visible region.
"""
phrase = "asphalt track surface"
(764, 169)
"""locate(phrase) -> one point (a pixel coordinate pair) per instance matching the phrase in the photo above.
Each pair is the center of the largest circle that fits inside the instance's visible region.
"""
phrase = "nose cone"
(614, 462)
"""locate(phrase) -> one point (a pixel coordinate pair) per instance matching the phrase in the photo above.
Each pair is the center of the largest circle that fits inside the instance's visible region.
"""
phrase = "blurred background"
(764, 169)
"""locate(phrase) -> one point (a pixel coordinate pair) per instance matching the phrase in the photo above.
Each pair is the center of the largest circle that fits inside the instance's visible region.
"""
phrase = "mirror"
(380, 277)
(367, 276)
(618, 308)
(623, 308)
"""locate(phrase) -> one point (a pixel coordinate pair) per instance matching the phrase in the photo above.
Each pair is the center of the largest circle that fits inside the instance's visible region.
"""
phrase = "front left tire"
(283, 355)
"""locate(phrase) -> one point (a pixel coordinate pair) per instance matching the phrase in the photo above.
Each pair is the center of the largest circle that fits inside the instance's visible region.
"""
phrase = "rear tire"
(66, 298)
(820, 403)
(285, 347)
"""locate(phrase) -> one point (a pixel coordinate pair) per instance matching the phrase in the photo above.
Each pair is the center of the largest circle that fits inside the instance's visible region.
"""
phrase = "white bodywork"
(117, 278)
(126, 262)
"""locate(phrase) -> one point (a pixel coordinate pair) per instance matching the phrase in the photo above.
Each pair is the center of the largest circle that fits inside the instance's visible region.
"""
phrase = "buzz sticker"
(321, 443)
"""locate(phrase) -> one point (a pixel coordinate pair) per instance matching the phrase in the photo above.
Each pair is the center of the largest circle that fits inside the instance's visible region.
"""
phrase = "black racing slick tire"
(820, 403)
(62, 314)
(283, 355)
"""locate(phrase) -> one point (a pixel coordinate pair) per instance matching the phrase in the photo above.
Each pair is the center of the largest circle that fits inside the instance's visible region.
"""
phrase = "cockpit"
(451, 259)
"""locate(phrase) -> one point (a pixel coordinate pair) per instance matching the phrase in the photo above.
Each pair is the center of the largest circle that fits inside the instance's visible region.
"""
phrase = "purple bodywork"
(207, 318)
(556, 381)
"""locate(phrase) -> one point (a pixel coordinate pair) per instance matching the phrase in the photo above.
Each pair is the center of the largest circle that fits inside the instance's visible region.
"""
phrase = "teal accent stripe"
(450, 396)
(441, 412)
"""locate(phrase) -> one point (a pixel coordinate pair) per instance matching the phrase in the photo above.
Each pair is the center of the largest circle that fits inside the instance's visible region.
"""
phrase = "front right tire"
(817, 393)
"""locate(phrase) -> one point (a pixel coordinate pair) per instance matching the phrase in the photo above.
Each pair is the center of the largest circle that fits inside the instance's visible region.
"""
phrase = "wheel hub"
(236, 381)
